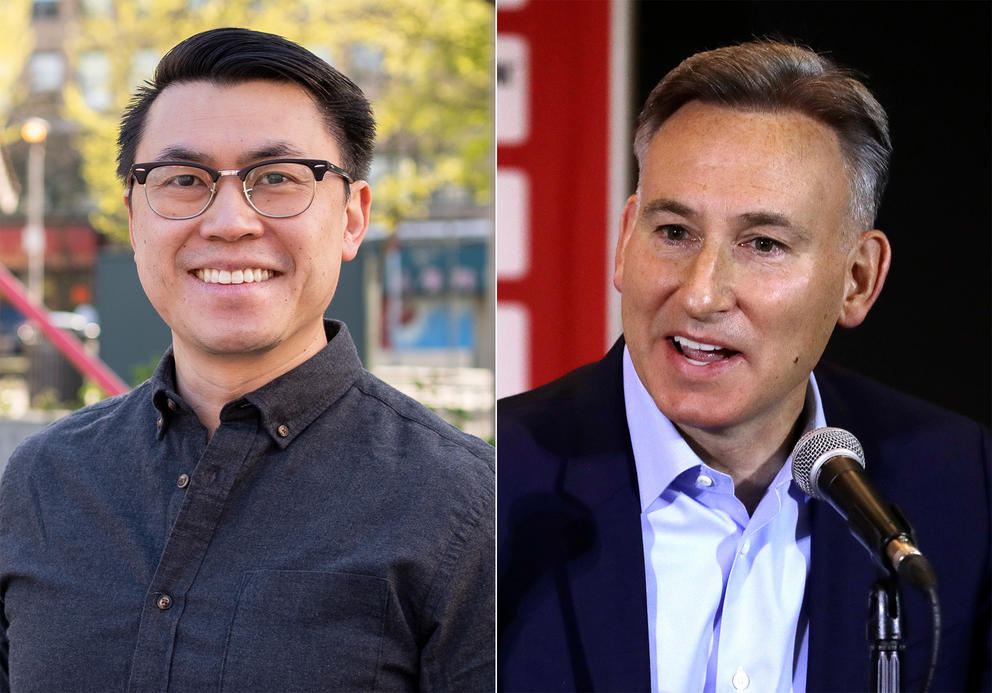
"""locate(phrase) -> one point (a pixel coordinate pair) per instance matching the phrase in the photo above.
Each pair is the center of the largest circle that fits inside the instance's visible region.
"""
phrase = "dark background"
(929, 66)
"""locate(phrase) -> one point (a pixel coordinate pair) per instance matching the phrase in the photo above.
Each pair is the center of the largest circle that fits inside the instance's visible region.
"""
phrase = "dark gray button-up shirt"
(332, 535)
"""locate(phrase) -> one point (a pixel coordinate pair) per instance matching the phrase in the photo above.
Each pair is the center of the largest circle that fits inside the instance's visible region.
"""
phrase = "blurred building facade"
(71, 243)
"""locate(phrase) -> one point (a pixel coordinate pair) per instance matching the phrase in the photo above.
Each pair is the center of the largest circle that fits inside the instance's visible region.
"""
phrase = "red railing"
(87, 364)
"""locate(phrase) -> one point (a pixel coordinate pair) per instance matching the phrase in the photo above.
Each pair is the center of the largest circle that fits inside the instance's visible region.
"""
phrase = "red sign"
(552, 188)
(71, 246)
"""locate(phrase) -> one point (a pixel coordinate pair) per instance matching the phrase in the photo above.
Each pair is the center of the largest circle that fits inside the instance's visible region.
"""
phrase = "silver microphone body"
(829, 464)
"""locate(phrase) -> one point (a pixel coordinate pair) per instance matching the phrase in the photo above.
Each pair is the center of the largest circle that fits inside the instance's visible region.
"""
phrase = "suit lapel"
(840, 574)
(603, 589)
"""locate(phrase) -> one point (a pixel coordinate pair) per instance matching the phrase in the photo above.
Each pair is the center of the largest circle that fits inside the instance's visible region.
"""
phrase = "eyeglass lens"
(275, 190)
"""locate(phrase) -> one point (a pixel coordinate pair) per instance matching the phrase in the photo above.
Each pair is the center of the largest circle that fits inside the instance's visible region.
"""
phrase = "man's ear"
(356, 219)
(867, 267)
(628, 220)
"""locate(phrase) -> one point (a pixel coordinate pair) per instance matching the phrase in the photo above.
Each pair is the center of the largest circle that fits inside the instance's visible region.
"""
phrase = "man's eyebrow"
(767, 218)
(666, 205)
(764, 218)
(269, 150)
(180, 153)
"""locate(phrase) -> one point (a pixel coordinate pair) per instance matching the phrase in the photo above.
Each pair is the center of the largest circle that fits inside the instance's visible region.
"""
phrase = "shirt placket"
(206, 496)
(738, 666)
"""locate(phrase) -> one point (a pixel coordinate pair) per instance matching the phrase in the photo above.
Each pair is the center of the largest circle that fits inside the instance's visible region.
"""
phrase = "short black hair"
(235, 55)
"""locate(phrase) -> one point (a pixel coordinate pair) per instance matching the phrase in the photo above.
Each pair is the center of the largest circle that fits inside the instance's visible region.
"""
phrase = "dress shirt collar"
(287, 404)
(661, 453)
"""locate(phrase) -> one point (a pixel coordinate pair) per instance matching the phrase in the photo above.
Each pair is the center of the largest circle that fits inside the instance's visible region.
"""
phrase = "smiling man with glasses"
(262, 514)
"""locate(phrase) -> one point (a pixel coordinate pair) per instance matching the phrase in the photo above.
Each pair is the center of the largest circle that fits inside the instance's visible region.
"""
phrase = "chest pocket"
(306, 631)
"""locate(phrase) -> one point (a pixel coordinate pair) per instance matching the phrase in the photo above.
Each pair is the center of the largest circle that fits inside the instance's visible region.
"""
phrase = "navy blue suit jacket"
(572, 609)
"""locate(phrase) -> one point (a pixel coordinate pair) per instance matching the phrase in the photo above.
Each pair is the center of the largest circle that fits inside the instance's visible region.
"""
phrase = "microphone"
(829, 464)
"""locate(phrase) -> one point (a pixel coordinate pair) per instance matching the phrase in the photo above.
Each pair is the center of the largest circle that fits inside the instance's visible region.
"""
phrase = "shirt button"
(704, 481)
(745, 547)
(740, 680)
(183, 481)
(283, 430)
(172, 405)
(159, 422)
(164, 602)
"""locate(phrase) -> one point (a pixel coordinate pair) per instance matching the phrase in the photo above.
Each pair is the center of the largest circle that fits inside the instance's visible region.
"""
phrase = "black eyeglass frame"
(319, 167)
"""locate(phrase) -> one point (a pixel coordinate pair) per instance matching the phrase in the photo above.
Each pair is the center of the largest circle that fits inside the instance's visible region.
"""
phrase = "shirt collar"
(661, 453)
(287, 404)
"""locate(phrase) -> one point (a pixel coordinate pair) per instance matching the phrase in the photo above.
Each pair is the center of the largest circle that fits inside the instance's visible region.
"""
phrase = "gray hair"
(771, 76)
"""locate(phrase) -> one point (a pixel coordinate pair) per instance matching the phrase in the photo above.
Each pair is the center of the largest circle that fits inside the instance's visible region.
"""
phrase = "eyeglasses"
(277, 188)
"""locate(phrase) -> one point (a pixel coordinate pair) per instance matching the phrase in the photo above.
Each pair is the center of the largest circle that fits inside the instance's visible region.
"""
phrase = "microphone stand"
(884, 636)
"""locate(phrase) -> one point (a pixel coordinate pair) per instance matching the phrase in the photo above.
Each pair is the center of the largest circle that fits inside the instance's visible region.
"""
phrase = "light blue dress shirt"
(724, 590)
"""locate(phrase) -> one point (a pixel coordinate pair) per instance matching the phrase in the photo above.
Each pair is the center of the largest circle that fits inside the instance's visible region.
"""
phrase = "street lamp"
(34, 131)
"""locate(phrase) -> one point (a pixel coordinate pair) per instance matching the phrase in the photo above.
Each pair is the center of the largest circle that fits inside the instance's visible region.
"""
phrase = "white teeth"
(699, 346)
(245, 276)
(694, 362)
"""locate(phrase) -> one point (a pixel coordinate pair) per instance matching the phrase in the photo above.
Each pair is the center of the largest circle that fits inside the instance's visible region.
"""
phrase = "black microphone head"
(815, 448)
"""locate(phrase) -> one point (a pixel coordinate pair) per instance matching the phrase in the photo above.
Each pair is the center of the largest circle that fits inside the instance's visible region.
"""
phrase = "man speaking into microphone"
(651, 536)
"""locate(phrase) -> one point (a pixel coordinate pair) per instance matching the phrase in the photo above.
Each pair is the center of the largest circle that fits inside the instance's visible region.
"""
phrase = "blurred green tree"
(15, 18)
(426, 67)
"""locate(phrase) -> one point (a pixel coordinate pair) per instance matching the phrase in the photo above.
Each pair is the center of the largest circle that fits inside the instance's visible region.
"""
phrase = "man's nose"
(707, 283)
(229, 216)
